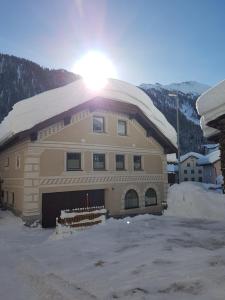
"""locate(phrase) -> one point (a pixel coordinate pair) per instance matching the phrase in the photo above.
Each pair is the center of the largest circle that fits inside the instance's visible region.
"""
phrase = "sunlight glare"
(95, 68)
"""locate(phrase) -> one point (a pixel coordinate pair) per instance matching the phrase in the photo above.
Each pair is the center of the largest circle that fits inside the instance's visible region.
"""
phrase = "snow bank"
(31, 111)
(191, 200)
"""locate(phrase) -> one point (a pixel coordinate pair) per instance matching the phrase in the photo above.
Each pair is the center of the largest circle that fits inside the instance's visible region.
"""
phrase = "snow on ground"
(146, 257)
(195, 200)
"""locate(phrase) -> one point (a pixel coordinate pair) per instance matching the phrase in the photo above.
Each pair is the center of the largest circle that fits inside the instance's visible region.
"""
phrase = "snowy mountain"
(187, 87)
(191, 137)
(21, 78)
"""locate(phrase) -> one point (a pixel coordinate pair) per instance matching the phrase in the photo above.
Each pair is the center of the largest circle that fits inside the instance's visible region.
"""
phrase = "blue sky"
(148, 40)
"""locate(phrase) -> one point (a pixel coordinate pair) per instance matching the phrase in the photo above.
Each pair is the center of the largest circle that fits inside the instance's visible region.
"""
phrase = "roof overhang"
(133, 111)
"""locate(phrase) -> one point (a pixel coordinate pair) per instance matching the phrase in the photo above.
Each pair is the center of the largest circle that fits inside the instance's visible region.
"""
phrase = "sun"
(95, 68)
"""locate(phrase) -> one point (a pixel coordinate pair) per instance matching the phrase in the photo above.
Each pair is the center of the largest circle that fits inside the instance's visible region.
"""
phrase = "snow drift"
(193, 200)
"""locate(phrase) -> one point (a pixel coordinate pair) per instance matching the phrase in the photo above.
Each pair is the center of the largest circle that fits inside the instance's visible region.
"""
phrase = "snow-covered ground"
(196, 200)
(146, 257)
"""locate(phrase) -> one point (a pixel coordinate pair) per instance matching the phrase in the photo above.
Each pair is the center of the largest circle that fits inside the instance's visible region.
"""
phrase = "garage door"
(53, 203)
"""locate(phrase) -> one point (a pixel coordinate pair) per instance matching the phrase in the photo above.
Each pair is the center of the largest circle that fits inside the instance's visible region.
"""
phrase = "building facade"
(92, 155)
(190, 170)
(211, 164)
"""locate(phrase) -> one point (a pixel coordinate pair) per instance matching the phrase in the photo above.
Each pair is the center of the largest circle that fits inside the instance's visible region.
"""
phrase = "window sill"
(99, 170)
(99, 132)
(77, 170)
(129, 208)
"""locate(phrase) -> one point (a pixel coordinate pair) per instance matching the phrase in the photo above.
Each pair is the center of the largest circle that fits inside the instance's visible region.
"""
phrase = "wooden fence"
(80, 218)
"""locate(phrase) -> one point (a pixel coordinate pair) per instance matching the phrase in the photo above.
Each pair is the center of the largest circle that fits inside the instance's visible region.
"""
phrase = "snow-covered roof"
(209, 158)
(211, 105)
(171, 168)
(211, 146)
(171, 158)
(32, 111)
(190, 154)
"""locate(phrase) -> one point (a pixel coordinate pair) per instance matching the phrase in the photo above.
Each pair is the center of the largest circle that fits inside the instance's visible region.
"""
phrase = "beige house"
(190, 170)
(71, 147)
(211, 164)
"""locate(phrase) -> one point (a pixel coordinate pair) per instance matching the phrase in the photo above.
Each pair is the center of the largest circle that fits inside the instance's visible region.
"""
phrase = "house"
(211, 107)
(189, 169)
(73, 147)
(211, 166)
(172, 168)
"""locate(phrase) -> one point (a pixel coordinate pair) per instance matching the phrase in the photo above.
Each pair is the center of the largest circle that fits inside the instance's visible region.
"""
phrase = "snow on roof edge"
(189, 154)
(34, 110)
(210, 158)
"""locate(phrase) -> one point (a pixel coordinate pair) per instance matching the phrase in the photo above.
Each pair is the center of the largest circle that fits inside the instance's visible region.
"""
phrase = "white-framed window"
(137, 162)
(99, 161)
(98, 124)
(73, 161)
(122, 127)
(120, 162)
(150, 197)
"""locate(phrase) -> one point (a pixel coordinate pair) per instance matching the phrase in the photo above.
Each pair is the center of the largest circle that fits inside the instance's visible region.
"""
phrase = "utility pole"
(178, 133)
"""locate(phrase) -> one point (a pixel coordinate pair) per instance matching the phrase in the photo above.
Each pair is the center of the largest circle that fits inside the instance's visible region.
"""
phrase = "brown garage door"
(53, 203)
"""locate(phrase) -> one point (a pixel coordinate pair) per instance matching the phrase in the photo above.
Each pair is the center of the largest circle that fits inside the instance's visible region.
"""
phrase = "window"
(199, 171)
(185, 171)
(73, 161)
(150, 197)
(99, 161)
(122, 127)
(131, 199)
(120, 162)
(192, 171)
(6, 164)
(185, 179)
(192, 179)
(17, 161)
(98, 124)
(200, 179)
(188, 164)
(137, 162)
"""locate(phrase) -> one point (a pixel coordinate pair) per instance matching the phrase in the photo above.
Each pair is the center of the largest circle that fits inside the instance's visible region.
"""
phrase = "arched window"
(131, 199)
(150, 197)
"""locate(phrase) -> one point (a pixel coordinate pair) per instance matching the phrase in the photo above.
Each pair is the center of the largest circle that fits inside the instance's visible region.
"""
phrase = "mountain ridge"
(191, 136)
(186, 87)
(21, 79)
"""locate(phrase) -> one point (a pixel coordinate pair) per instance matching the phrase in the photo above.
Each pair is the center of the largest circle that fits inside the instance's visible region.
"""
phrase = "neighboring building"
(211, 167)
(71, 147)
(172, 168)
(211, 108)
(190, 171)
